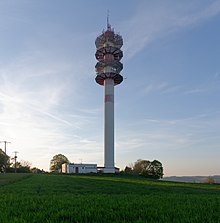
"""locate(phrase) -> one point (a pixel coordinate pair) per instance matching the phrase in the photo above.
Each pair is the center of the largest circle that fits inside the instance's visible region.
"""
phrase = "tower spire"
(108, 24)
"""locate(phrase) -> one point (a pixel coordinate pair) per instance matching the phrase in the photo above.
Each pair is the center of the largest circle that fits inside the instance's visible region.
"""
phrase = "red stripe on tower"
(109, 98)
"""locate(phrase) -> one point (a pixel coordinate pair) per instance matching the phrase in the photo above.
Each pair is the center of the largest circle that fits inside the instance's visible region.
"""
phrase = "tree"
(57, 161)
(141, 166)
(128, 169)
(37, 170)
(209, 180)
(149, 169)
(4, 159)
(22, 167)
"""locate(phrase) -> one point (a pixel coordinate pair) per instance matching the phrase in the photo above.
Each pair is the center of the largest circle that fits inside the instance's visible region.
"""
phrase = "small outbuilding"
(79, 168)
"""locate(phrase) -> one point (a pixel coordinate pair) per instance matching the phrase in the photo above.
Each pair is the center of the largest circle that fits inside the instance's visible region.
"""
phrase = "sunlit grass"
(104, 198)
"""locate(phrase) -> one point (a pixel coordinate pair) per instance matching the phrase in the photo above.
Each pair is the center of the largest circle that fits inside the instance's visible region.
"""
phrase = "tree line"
(150, 169)
(19, 167)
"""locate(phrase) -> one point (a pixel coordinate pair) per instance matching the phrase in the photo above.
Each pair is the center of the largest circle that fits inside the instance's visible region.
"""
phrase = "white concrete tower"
(108, 70)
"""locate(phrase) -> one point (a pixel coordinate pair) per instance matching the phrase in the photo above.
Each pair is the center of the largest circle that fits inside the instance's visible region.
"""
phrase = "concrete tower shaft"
(108, 68)
(109, 126)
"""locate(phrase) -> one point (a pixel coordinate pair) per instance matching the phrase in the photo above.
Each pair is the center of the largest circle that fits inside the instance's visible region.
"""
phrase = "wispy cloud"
(211, 86)
(35, 113)
(217, 75)
(160, 87)
(164, 139)
(195, 91)
(164, 87)
(154, 20)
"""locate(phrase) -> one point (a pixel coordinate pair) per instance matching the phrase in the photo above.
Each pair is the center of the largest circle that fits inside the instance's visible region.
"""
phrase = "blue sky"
(167, 108)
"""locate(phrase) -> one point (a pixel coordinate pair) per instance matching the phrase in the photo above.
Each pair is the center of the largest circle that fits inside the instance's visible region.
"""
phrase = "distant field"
(69, 198)
(193, 179)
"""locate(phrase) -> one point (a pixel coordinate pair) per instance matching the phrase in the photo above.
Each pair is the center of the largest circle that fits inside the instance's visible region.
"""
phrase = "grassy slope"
(68, 198)
(11, 178)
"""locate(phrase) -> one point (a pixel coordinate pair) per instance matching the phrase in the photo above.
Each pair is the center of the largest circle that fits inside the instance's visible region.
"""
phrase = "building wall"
(79, 168)
(64, 168)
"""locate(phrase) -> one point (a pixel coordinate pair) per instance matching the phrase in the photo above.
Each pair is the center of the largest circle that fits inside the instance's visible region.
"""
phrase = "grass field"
(69, 198)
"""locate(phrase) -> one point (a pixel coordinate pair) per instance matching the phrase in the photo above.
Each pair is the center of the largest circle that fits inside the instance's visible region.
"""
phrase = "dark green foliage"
(4, 159)
(37, 170)
(148, 169)
(105, 198)
(57, 161)
(22, 167)
(128, 169)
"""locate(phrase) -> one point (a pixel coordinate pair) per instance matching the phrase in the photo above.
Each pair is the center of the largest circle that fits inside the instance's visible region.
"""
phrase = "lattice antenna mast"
(108, 24)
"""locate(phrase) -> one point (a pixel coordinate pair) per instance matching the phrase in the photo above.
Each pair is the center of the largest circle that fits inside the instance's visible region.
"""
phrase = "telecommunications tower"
(108, 68)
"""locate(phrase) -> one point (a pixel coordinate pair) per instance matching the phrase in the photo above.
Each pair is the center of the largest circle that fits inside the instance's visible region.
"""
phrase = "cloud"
(171, 140)
(162, 88)
(155, 20)
(44, 85)
(206, 88)
(35, 110)
(195, 91)
(217, 75)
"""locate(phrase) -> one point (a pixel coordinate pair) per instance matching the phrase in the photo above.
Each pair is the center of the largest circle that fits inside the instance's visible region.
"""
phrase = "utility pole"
(5, 142)
(15, 158)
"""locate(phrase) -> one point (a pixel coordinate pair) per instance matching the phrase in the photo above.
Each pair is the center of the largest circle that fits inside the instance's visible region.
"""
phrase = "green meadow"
(104, 198)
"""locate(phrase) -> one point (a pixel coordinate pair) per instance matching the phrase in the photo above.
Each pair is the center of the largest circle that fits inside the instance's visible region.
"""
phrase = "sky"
(167, 108)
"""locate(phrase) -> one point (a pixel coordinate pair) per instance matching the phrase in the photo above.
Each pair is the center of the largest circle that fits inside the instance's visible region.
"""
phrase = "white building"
(79, 168)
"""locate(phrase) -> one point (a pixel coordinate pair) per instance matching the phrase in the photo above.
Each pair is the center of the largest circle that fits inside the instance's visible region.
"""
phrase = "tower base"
(109, 170)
